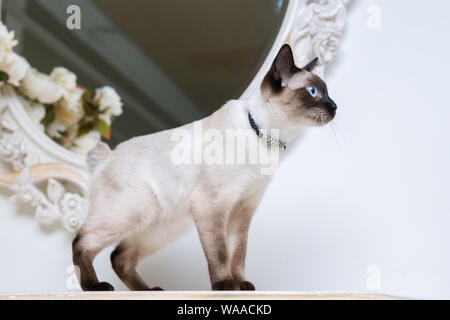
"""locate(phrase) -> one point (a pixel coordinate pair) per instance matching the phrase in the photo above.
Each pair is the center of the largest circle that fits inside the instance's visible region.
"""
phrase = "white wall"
(375, 192)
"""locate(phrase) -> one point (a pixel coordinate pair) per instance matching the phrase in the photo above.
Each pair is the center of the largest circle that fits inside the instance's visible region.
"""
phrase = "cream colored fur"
(142, 200)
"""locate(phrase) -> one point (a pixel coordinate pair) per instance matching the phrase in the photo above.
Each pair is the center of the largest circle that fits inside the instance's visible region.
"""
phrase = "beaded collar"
(270, 141)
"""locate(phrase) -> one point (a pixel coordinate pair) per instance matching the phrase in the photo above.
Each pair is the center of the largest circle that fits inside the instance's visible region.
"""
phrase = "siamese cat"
(142, 201)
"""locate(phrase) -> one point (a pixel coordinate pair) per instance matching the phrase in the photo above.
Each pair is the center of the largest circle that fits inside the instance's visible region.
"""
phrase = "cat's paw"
(101, 286)
(226, 285)
(148, 289)
(156, 289)
(246, 286)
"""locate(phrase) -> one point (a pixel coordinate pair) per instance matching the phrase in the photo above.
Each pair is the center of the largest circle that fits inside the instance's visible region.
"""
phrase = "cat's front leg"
(238, 226)
(211, 227)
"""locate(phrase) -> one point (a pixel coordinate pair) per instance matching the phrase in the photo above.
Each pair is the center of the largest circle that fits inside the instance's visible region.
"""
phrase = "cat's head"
(301, 96)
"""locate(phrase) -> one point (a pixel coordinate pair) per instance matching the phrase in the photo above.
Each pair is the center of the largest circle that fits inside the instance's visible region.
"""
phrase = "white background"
(375, 192)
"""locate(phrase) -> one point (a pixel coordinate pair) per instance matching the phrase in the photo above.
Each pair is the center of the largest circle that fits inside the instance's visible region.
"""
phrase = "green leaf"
(4, 76)
(103, 111)
(49, 116)
(103, 128)
(88, 95)
(90, 108)
(82, 131)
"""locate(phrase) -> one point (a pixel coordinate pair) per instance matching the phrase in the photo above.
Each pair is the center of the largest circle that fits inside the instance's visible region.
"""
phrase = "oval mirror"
(172, 63)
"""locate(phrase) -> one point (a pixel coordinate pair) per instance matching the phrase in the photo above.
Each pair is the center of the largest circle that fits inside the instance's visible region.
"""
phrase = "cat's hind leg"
(113, 217)
(124, 260)
(83, 257)
(144, 243)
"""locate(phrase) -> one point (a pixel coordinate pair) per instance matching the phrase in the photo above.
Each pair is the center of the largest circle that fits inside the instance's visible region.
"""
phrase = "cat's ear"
(311, 65)
(283, 67)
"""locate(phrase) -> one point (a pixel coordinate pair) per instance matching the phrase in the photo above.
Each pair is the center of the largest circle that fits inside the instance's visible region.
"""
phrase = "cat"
(142, 201)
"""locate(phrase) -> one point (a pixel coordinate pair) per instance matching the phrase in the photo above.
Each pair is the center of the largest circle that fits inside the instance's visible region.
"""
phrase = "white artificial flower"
(65, 79)
(85, 143)
(35, 111)
(7, 41)
(55, 129)
(16, 67)
(106, 117)
(67, 113)
(108, 99)
(73, 101)
(40, 87)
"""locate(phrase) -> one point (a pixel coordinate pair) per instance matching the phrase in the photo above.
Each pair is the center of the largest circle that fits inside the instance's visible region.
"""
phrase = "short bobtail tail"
(97, 156)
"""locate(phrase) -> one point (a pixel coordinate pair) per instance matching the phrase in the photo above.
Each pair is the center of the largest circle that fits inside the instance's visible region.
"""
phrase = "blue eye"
(312, 91)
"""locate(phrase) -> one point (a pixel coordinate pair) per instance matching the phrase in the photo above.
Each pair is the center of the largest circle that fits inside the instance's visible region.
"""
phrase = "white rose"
(7, 41)
(85, 143)
(16, 67)
(55, 129)
(108, 99)
(65, 79)
(106, 117)
(39, 86)
(73, 101)
(36, 111)
(67, 113)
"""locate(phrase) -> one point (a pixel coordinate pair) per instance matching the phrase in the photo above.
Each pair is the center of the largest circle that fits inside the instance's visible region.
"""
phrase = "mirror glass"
(172, 61)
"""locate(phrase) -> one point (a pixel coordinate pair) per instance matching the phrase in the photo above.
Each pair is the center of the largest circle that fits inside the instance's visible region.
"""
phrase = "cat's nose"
(331, 105)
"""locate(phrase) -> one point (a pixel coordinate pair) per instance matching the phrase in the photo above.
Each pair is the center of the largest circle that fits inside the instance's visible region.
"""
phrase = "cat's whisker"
(316, 119)
(338, 132)
(332, 123)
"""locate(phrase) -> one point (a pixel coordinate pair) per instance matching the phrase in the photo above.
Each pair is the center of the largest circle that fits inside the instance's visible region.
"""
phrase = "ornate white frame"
(312, 27)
